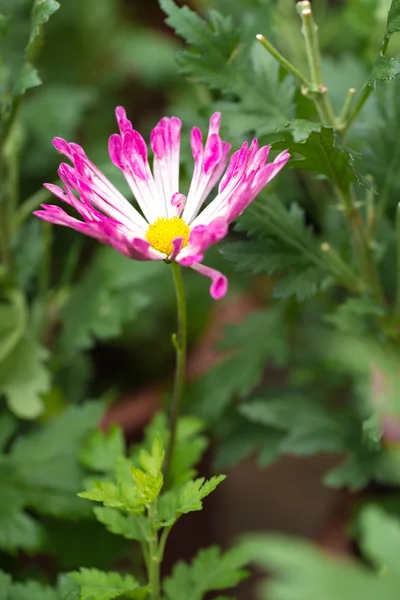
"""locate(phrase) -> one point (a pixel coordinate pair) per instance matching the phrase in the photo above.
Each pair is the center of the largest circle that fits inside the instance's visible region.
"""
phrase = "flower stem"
(310, 33)
(282, 61)
(359, 236)
(398, 260)
(153, 557)
(357, 107)
(179, 340)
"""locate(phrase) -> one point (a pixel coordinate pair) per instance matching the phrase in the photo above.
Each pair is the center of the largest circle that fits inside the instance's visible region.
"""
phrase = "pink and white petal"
(219, 285)
(177, 246)
(165, 143)
(178, 202)
(200, 239)
(209, 165)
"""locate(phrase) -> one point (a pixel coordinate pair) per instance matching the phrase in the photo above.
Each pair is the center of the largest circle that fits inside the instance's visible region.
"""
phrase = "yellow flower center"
(161, 233)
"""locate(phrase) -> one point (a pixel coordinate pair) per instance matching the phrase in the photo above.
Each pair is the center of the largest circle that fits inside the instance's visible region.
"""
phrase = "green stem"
(345, 112)
(398, 260)
(180, 342)
(357, 107)
(153, 566)
(282, 60)
(163, 541)
(310, 33)
(360, 239)
(341, 270)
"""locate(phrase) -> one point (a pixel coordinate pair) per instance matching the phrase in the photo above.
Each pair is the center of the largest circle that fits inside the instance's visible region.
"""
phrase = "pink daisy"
(169, 225)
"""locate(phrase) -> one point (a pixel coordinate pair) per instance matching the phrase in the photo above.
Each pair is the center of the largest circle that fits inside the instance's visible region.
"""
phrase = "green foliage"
(132, 527)
(135, 487)
(102, 450)
(223, 56)
(302, 571)
(42, 480)
(190, 444)
(185, 499)
(103, 301)
(30, 590)
(387, 67)
(210, 571)
(106, 586)
(322, 153)
(258, 339)
(19, 49)
(284, 246)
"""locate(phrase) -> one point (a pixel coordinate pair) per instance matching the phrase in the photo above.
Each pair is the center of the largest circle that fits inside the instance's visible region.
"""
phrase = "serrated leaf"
(24, 378)
(213, 43)
(210, 571)
(102, 449)
(241, 438)
(185, 499)
(132, 527)
(190, 444)
(322, 153)
(354, 315)
(106, 586)
(226, 57)
(302, 285)
(258, 339)
(135, 487)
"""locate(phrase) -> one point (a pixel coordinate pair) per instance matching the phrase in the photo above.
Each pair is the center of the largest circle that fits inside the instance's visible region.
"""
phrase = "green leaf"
(212, 44)
(193, 492)
(102, 449)
(135, 487)
(310, 426)
(30, 590)
(24, 378)
(47, 482)
(387, 67)
(380, 538)
(8, 427)
(226, 57)
(108, 296)
(210, 571)
(303, 571)
(355, 315)
(190, 444)
(258, 339)
(106, 586)
(185, 499)
(322, 153)
(18, 530)
(239, 438)
(302, 285)
(132, 527)
(64, 107)
(13, 317)
(20, 44)
(285, 247)
(149, 479)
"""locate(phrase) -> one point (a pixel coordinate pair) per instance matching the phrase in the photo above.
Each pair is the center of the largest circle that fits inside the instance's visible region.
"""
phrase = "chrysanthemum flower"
(169, 225)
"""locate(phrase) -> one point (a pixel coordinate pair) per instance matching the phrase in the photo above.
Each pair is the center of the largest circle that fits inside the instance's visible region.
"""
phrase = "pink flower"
(169, 224)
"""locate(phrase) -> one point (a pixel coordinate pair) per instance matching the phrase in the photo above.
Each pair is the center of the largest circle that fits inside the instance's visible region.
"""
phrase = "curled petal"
(219, 285)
